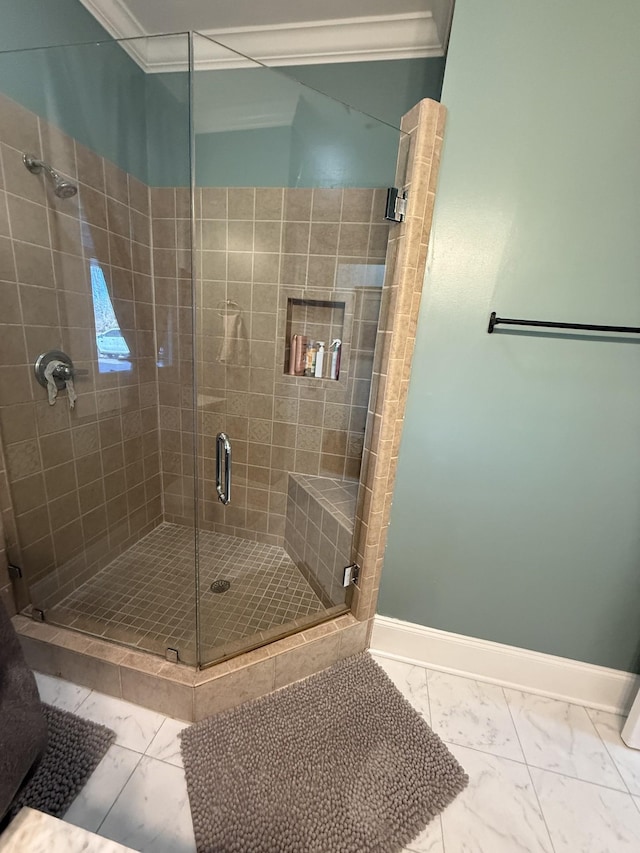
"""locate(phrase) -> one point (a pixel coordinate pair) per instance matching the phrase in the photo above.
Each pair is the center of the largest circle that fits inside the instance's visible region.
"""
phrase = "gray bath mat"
(74, 750)
(337, 763)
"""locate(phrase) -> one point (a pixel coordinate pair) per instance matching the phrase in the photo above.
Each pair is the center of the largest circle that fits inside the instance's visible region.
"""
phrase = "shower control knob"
(66, 371)
(61, 373)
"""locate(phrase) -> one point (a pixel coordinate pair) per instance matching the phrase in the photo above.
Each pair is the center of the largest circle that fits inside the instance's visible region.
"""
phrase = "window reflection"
(113, 351)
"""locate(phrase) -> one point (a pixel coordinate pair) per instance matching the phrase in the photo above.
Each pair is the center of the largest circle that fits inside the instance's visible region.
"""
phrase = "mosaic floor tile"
(146, 597)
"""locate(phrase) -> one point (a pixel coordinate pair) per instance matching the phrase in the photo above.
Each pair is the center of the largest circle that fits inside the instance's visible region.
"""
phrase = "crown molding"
(120, 23)
(115, 17)
(404, 36)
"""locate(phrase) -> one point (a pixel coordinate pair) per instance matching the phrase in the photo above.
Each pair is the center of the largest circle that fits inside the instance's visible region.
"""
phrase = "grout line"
(513, 723)
(119, 794)
(426, 678)
(86, 698)
(524, 760)
(533, 766)
(604, 743)
(535, 791)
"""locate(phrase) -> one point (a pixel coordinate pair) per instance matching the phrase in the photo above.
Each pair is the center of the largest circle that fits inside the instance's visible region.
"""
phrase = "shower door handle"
(223, 454)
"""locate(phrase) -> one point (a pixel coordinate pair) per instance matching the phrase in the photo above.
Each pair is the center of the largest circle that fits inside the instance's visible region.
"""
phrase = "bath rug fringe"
(337, 763)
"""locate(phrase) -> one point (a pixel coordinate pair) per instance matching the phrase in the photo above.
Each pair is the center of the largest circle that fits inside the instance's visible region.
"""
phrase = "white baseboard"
(533, 672)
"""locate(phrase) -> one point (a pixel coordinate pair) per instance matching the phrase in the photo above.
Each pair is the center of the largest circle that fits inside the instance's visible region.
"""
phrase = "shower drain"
(220, 586)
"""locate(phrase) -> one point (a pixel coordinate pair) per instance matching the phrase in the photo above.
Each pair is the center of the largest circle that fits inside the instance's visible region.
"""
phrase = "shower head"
(65, 189)
(61, 187)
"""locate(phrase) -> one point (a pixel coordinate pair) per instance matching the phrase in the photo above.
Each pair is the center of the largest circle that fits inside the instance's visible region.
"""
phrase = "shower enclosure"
(211, 293)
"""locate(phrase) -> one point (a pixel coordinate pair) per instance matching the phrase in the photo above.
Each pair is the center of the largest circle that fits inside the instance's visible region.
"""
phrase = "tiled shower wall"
(257, 248)
(171, 232)
(84, 483)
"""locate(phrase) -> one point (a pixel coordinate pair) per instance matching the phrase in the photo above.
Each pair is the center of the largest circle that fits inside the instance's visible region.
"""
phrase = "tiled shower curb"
(182, 691)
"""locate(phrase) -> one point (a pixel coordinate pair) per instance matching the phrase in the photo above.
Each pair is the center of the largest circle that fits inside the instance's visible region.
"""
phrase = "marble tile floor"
(546, 776)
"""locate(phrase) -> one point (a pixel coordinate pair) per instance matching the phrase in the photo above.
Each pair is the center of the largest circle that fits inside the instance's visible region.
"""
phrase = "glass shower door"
(95, 268)
(291, 242)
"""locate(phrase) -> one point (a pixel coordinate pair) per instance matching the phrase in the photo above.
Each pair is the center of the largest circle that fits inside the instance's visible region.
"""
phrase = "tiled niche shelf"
(316, 313)
(318, 320)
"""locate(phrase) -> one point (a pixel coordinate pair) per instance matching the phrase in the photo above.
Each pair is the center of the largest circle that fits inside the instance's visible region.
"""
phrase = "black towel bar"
(586, 327)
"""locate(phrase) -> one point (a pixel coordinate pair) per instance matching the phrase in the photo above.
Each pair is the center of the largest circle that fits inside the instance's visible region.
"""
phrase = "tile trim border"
(509, 666)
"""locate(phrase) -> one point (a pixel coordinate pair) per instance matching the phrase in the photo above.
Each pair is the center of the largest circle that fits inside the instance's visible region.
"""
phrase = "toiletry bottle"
(319, 360)
(335, 348)
(301, 354)
(310, 364)
(292, 355)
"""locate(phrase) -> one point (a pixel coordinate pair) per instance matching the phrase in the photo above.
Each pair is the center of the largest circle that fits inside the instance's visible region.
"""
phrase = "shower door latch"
(351, 575)
(396, 208)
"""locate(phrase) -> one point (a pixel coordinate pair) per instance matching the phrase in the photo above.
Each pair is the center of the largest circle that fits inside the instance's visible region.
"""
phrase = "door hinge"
(15, 572)
(396, 208)
(351, 574)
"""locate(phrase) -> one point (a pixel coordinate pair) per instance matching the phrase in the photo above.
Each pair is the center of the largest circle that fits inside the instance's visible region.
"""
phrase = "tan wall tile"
(56, 306)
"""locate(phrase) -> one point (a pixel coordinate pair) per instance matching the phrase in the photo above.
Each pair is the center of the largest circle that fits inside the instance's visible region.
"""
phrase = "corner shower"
(195, 221)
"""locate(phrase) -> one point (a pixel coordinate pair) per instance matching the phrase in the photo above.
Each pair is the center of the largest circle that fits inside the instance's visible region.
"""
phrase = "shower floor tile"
(146, 596)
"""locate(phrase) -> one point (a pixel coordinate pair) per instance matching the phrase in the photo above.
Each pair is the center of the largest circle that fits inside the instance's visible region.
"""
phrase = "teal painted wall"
(337, 146)
(167, 125)
(303, 138)
(517, 509)
(96, 93)
(386, 90)
(35, 23)
(244, 158)
(93, 91)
